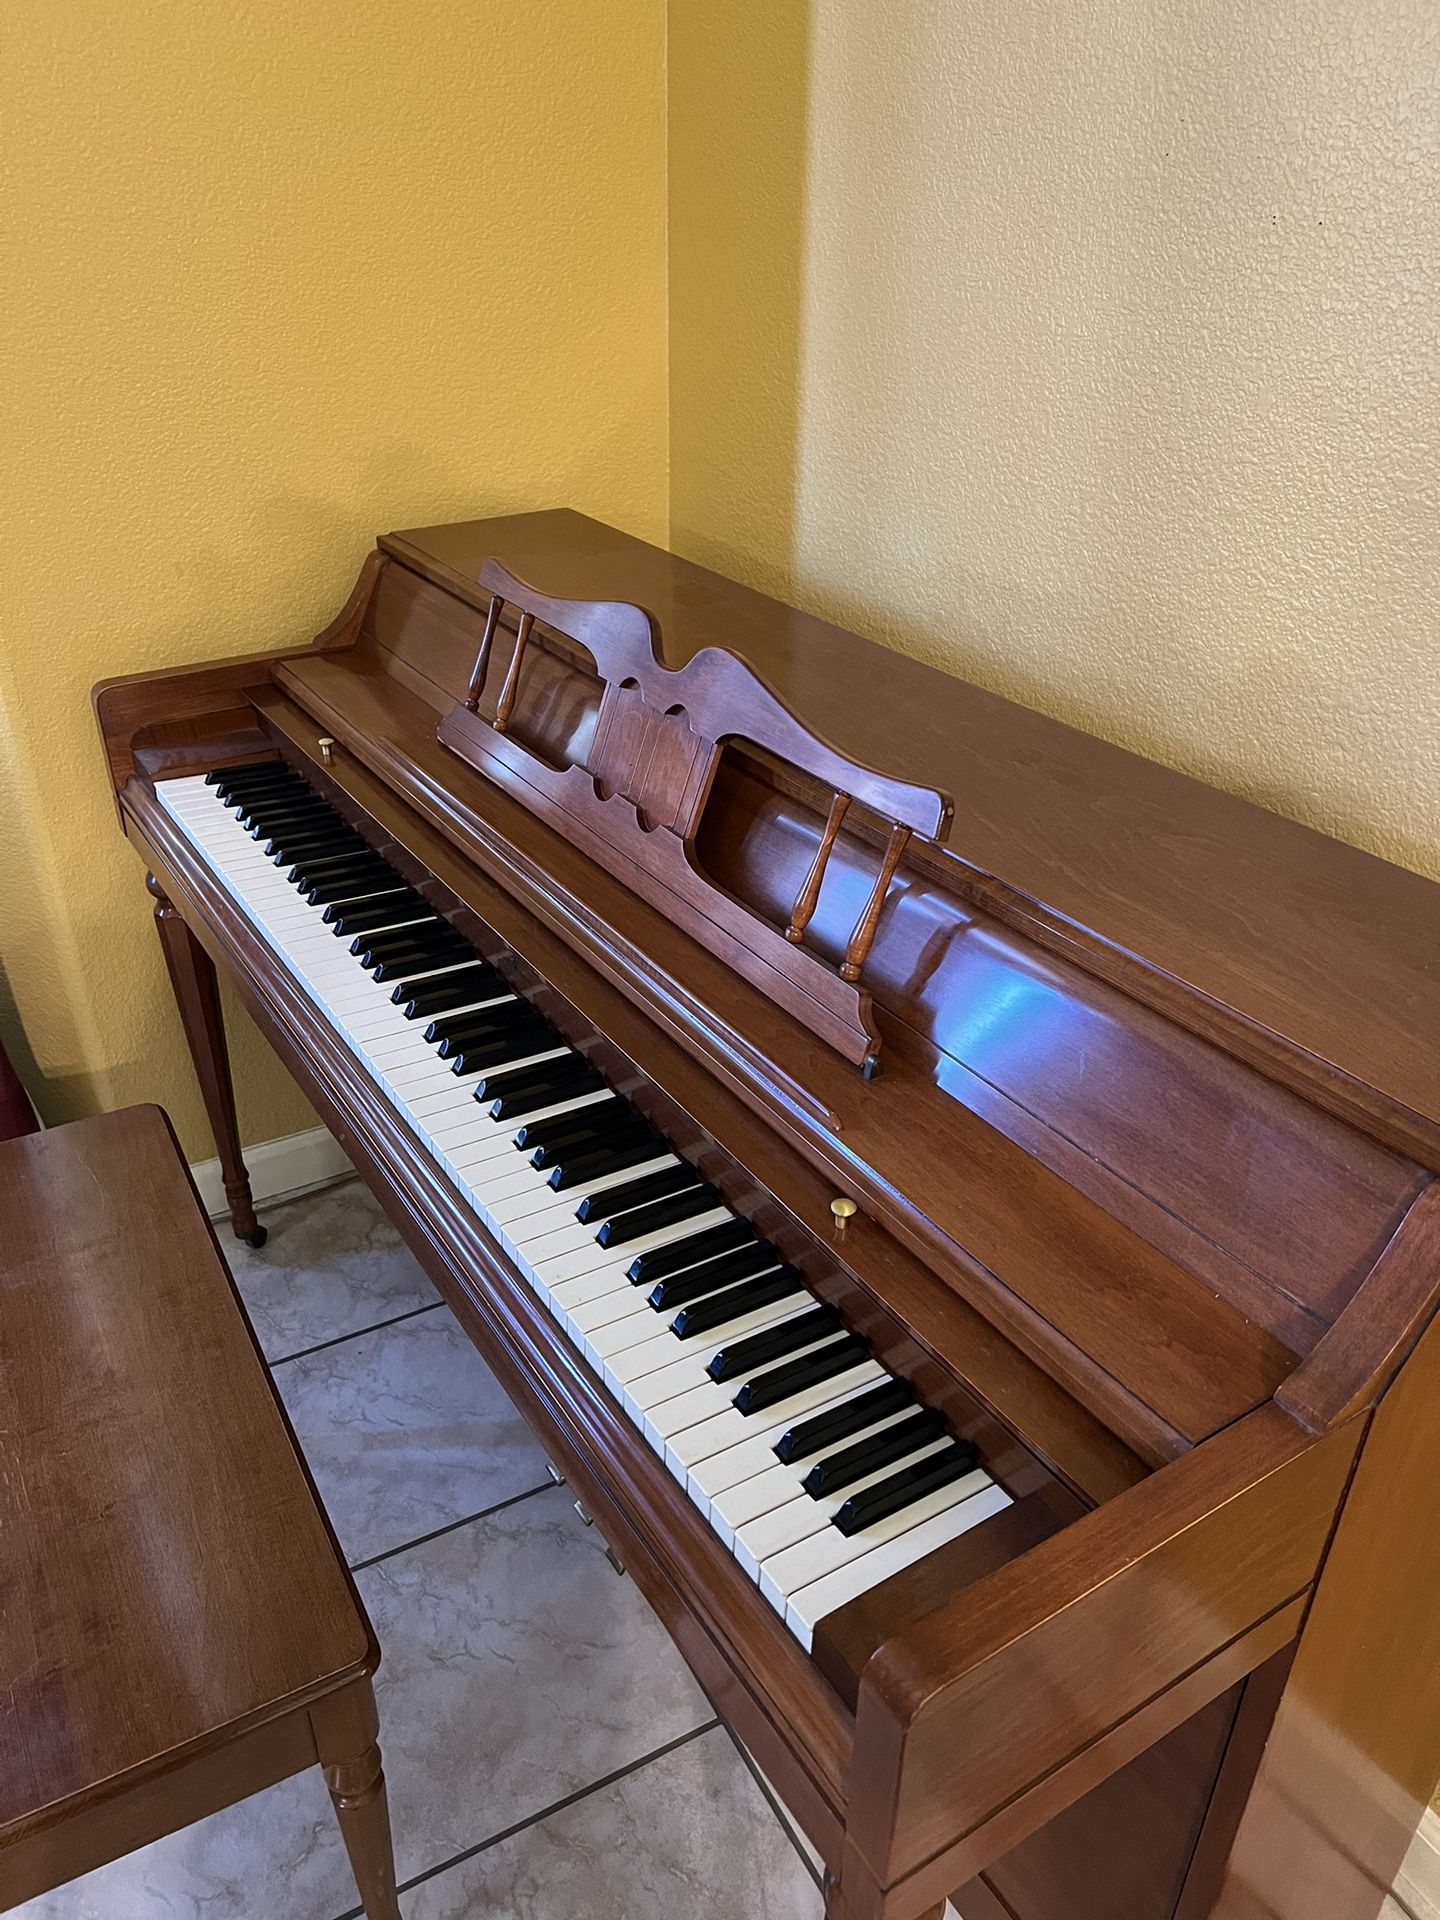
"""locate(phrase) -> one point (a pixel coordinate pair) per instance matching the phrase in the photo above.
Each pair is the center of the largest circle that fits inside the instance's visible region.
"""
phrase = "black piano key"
(626, 1151)
(559, 1072)
(639, 1221)
(512, 1106)
(251, 772)
(291, 804)
(380, 909)
(282, 843)
(419, 964)
(323, 865)
(742, 1357)
(635, 1193)
(484, 1023)
(660, 1262)
(298, 847)
(693, 1281)
(344, 920)
(527, 1035)
(286, 788)
(477, 1018)
(264, 818)
(318, 869)
(717, 1310)
(457, 989)
(326, 893)
(825, 1429)
(582, 1124)
(873, 1504)
(423, 934)
(806, 1370)
(618, 1128)
(571, 1070)
(850, 1464)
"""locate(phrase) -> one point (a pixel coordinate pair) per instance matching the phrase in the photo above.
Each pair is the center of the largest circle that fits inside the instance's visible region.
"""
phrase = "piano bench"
(179, 1629)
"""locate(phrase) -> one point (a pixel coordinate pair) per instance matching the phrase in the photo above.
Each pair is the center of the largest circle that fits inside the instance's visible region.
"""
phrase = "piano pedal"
(610, 1554)
(557, 1478)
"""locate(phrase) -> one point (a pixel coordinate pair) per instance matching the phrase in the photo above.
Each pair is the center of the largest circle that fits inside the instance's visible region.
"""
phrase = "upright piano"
(955, 1200)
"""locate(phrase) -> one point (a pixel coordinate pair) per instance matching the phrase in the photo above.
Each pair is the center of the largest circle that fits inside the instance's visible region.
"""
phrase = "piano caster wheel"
(256, 1239)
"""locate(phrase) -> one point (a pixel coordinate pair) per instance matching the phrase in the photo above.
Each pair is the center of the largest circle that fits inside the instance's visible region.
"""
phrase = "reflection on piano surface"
(973, 1259)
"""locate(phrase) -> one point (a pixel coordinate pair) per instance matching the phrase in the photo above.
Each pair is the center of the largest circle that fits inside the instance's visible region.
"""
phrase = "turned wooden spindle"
(859, 945)
(512, 679)
(482, 658)
(805, 900)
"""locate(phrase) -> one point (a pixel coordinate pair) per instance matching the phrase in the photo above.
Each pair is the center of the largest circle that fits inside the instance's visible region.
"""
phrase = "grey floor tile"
(277, 1856)
(332, 1264)
(688, 1837)
(406, 1430)
(517, 1668)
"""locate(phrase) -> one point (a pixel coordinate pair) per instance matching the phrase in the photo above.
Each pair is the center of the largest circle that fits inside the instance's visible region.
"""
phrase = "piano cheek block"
(793, 1410)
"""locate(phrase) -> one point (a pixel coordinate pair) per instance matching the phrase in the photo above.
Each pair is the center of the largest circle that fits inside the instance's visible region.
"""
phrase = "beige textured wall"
(1087, 351)
(280, 278)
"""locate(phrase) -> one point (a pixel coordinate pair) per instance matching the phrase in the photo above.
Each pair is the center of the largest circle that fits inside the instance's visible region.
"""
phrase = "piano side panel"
(1353, 1757)
(1094, 1629)
(1122, 1851)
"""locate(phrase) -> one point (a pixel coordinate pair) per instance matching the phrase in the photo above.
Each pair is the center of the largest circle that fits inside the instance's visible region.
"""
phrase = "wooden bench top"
(167, 1576)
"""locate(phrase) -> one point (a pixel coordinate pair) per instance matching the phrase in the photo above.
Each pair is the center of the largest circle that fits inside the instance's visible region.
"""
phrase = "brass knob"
(327, 749)
(842, 1209)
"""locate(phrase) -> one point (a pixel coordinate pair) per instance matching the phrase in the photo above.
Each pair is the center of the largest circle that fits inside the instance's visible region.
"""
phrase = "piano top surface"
(1329, 948)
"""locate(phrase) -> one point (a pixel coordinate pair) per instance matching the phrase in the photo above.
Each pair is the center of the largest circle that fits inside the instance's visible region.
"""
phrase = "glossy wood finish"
(1083, 1294)
(1160, 1257)
(197, 995)
(632, 789)
(177, 1626)
(1305, 955)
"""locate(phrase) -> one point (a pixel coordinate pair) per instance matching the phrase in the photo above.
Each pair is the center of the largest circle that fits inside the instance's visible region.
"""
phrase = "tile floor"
(548, 1754)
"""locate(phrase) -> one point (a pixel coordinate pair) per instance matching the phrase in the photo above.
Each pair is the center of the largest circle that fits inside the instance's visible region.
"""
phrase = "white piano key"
(741, 1501)
(725, 1459)
(811, 1604)
(799, 1566)
(701, 1403)
(752, 1454)
(761, 1539)
(726, 1429)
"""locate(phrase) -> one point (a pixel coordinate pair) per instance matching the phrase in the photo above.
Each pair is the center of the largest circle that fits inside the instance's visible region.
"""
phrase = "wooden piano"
(956, 1200)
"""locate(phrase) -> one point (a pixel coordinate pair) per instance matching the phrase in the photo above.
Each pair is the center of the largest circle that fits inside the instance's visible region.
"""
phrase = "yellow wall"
(282, 277)
(1081, 349)
(1087, 351)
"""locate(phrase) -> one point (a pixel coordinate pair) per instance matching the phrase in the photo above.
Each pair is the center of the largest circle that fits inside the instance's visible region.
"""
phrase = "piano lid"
(1331, 950)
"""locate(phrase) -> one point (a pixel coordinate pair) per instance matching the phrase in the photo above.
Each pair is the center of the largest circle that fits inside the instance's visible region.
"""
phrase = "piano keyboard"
(814, 1466)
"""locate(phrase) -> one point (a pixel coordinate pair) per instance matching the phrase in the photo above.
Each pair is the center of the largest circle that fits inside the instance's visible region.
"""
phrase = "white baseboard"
(278, 1169)
(1418, 1881)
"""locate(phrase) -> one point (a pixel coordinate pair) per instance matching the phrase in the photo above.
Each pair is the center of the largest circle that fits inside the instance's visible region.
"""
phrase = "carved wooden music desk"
(956, 1201)
(177, 1628)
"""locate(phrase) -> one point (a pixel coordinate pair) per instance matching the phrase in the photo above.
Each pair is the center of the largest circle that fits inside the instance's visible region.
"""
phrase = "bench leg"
(197, 994)
(345, 1728)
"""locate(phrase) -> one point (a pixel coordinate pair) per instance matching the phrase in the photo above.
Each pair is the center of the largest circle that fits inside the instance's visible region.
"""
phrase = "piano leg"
(197, 994)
